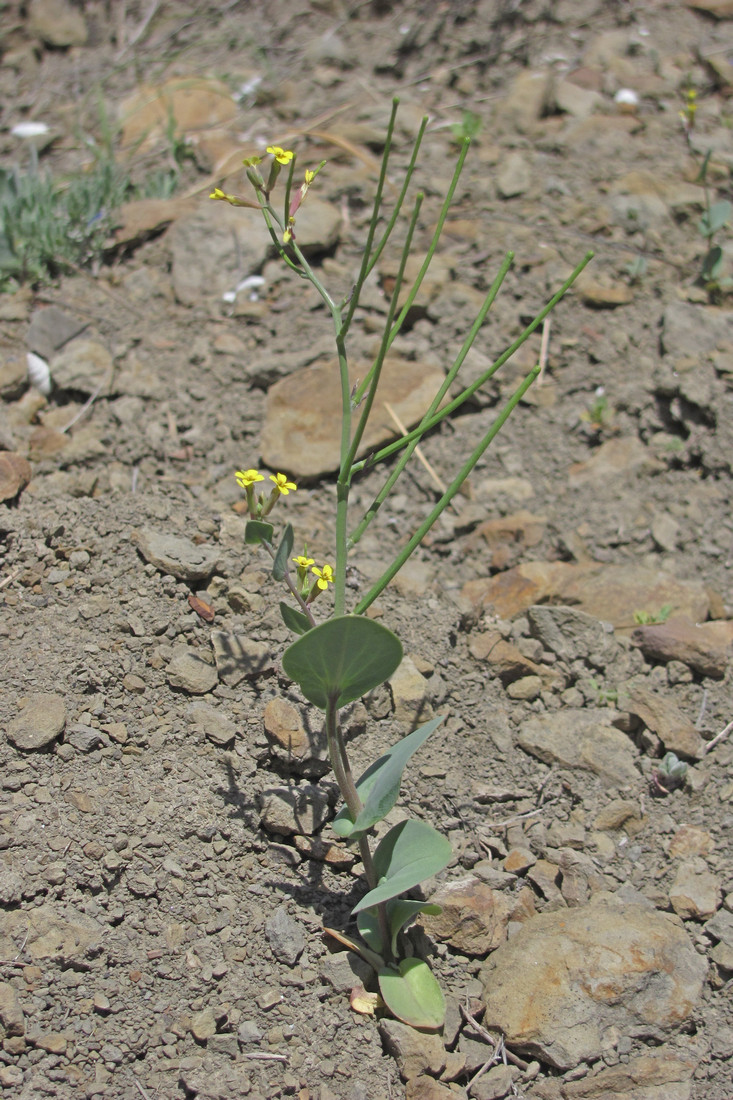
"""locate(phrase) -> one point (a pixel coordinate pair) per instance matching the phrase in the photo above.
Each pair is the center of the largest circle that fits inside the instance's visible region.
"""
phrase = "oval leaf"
(412, 994)
(379, 786)
(284, 550)
(410, 852)
(399, 912)
(295, 620)
(342, 659)
(256, 530)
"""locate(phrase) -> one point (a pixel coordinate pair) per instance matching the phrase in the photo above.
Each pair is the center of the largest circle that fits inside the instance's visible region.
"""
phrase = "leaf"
(366, 1004)
(379, 786)
(410, 852)
(294, 620)
(363, 950)
(256, 531)
(399, 912)
(412, 994)
(284, 550)
(712, 263)
(342, 659)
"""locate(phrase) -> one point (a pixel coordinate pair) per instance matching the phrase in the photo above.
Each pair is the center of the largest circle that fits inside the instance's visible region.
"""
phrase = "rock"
(12, 1017)
(203, 1025)
(529, 96)
(585, 739)
(301, 429)
(659, 714)
(514, 176)
(227, 242)
(139, 219)
(57, 23)
(304, 751)
(15, 473)
(339, 857)
(567, 978)
(521, 529)
(289, 810)
(614, 458)
(495, 1083)
(526, 688)
(506, 659)
(574, 100)
(474, 917)
(285, 937)
(13, 376)
(318, 226)
(603, 294)
(84, 738)
(704, 647)
(189, 671)
(721, 929)
(661, 1074)
(617, 814)
(692, 331)
(64, 935)
(410, 693)
(11, 887)
(546, 877)
(50, 328)
(213, 722)
(177, 556)
(695, 893)
(237, 657)
(721, 9)
(518, 860)
(424, 1087)
(415, 1052)
(82, 366)
(40, 722)
(690, 841)
(569, 633)
(343, 970)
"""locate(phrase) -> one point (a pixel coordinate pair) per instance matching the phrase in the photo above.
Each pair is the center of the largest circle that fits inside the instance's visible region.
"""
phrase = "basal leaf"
(412, 994)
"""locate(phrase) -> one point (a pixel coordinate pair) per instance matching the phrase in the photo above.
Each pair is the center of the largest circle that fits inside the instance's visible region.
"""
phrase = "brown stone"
(474, 917)
(304, 751)
(506, 659)
(659, 1075)
(676, 732)
(518, 860)
(691, 841)
(15, 473)
(704, 647)
(302, 426)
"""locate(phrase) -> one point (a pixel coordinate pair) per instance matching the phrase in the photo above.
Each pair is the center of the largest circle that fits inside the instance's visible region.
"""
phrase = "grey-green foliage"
(49, 225)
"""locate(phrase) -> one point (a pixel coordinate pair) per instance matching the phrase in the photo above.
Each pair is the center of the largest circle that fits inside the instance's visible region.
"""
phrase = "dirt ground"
(140, 866)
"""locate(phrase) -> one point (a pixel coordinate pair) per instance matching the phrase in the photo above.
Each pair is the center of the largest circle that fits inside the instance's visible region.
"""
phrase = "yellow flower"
(303, 562)
(282, 156)
(282, 484)
(325, 576)
(247, 478)
(217, 193)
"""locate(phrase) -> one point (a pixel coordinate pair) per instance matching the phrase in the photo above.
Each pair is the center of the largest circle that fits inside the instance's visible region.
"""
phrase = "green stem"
(450, 408)
(345, 779)
(447, 202)
(434, 405)
(447, 496)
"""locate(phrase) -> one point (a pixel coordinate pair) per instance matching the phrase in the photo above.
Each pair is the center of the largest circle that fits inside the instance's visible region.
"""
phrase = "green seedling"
(669, 775)
(467, 129)
(338, 657)
(604, 696)
(636, 269)
(646, 618)
(599, 413)
(716, 217)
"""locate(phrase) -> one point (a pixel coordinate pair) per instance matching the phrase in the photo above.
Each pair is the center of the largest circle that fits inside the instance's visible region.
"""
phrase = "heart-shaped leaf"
(256, 531)
(342, 659)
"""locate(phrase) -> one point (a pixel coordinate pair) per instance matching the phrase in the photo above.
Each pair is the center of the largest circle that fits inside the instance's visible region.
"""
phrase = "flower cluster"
(310, 588)
(260, 507)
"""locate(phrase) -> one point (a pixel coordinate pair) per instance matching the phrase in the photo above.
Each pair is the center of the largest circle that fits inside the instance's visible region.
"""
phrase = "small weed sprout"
(468, 128)
(646, 618)
(338, 658)
(716, 217)
(669, 775)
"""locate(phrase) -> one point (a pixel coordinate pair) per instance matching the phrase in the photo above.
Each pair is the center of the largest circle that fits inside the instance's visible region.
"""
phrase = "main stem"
(345, 779)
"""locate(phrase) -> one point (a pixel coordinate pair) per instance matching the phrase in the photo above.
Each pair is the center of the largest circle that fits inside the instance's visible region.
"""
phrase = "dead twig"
(489, 1038)
(141, 1090)
(717, 739)
(543, 350)
(88, 403)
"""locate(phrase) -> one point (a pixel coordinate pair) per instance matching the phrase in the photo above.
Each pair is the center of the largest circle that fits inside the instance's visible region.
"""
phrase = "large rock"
(302, 428)
(40, 722)
(569, 981)
(67, 937)
(177, 556)
(575, 738)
